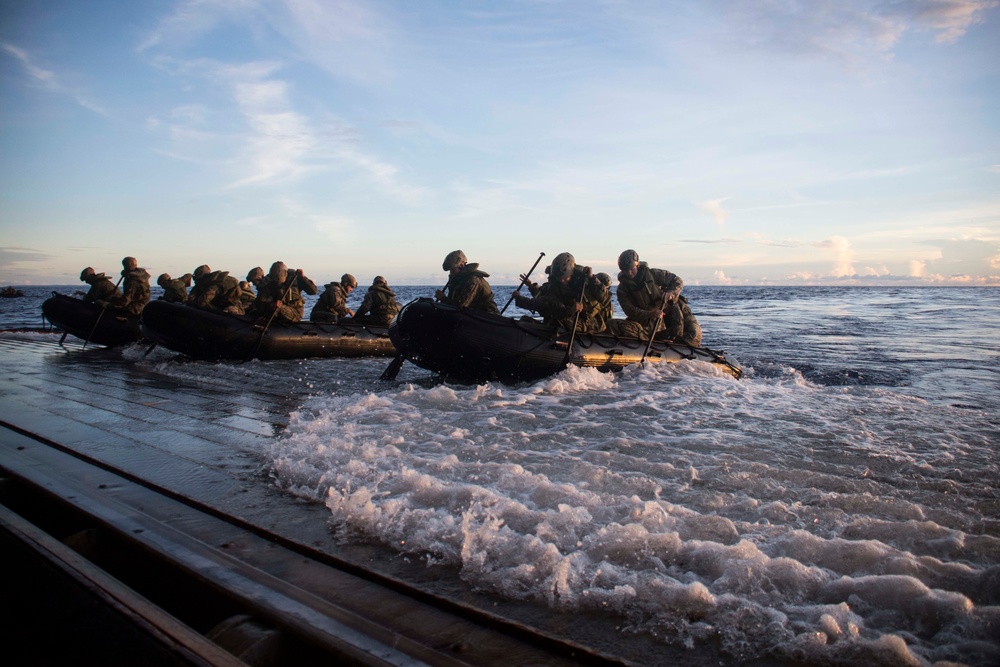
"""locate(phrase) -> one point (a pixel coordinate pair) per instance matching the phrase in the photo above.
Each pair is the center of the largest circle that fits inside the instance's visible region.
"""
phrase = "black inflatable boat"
(472, 346)
(208, 334)
(91, 322)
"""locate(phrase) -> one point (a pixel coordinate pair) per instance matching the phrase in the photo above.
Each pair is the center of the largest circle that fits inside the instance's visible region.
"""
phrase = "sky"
(788, 142)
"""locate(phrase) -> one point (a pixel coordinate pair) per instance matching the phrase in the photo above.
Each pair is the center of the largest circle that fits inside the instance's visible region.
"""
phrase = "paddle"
(524, 282)
(392, 370)
(576, 320)
(656, 326)
(288, 288)
(99, 315)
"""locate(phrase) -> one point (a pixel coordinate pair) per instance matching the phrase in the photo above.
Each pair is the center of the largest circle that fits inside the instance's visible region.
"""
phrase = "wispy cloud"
(851, 31)
(10, 256)
(47, 79)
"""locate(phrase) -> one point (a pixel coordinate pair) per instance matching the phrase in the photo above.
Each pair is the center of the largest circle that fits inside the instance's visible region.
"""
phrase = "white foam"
(777, 517)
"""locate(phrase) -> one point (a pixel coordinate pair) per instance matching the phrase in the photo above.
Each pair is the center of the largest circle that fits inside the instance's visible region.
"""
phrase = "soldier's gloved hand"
(439, 295)
(521, 300)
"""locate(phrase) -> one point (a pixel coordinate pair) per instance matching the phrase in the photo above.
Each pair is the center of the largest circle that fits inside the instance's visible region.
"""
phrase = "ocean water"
(838, 505)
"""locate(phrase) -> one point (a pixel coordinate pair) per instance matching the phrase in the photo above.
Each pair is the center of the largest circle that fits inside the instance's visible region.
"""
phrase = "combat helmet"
(202, 270)
(562, 265)
(379, 280)
(604, 279)
(87, 273)
(255, 275)
(163, 280)
(453, 259)
(628, 259)
(347, 280)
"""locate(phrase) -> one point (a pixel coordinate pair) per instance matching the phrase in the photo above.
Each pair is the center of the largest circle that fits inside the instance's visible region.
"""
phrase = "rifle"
(656, 327)
(288, 288)
(576, 320)
(524, 281)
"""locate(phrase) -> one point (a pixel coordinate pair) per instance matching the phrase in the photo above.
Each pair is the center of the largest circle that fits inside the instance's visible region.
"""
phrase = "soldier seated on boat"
(279, 295)
(379, 305)
(175, 290)
(559, 300)
(102, 290)
(332, 303)
(135, 288)
(647, 294)
(467, 286)
(215, 290)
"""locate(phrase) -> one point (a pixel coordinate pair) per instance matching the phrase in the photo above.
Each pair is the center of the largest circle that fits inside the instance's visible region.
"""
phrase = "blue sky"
(774, 142)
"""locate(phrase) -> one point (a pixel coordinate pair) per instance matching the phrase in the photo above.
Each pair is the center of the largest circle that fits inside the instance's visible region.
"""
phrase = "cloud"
(950, 19)
(714, 208)
(48, 80)
(854, 32)
(20, 255)
(193, 19)
(843, 255)
(917, 268)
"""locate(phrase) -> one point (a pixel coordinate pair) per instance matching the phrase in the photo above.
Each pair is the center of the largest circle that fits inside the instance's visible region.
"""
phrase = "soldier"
(380, 302)
(467, 286)
(558, 300)
(102, 290)
(646, 294)
(332, 303)
(216, 290)
(279, 295)
(175, 290)
(135, 288)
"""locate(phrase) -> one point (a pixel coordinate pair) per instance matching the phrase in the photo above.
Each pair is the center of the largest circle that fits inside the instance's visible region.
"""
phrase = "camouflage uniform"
(135, 288)
(332, 304)
(216, 290)
(597, 307)
(467, 286)
(279, 286)
(380, 301)
(174, 289)
(102, 290)
(247, 296)
(641, 298)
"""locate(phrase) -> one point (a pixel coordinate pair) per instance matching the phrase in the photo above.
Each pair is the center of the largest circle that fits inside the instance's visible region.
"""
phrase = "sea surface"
(838, 505)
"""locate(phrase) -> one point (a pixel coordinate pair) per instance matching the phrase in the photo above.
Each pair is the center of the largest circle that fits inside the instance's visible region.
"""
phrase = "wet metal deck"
(149, 494)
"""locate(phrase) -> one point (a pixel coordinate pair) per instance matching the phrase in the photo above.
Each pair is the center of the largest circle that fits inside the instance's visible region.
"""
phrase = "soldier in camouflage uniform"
(135, 288)
(380, 302)
(644, 293)
(102, 290)
(247, 296)
(467, 286)
(175, 290)
(216, 290)
(558, 300)
(279, 295)
(332, 303)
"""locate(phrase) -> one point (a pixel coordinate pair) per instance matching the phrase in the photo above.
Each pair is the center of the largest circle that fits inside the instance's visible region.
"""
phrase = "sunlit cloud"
(714, 208)
(843, 255)
(950, 19)
(852, 31)
(917, 268)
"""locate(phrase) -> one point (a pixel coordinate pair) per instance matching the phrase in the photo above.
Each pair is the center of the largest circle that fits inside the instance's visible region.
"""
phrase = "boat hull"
(207, 334)
(90, 322)
(471, 346)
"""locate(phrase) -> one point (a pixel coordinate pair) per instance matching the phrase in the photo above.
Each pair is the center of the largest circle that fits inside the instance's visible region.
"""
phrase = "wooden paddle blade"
(392, 370)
